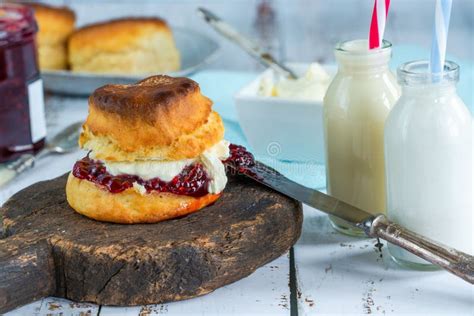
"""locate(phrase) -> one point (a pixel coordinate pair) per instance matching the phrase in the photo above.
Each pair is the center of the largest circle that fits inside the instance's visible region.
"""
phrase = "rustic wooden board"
(264, 292)
(52, 250)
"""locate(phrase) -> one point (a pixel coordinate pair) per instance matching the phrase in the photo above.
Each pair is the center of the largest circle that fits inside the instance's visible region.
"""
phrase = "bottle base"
(14, 152)
(408, 260)
(345, 228)
(414, 265)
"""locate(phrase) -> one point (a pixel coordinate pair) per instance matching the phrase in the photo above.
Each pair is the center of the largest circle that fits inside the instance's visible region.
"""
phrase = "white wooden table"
(328, 273)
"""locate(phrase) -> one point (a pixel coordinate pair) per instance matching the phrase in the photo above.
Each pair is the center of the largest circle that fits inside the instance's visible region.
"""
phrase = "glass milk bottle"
(429, 162)
(356, 105)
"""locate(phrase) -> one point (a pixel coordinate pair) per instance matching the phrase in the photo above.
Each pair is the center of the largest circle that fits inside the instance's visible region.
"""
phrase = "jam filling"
(192, 180)
(240, 160)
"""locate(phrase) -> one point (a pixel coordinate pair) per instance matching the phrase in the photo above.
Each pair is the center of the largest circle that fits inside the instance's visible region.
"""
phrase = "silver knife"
(246, 44)
(64, 142)
(378, 226)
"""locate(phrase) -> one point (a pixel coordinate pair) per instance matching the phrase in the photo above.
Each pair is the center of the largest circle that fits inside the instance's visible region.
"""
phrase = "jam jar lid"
(16, 23)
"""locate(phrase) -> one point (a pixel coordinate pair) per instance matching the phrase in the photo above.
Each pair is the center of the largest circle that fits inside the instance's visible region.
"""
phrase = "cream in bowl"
(311, 86)
(282, 118)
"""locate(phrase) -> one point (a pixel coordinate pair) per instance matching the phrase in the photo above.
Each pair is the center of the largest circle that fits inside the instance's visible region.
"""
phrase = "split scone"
(124, 46)
(55, 24)
(156, 151)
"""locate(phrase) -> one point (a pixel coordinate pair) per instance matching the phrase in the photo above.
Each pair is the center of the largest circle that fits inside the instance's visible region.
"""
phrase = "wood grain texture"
(25, 272)
(116, 264)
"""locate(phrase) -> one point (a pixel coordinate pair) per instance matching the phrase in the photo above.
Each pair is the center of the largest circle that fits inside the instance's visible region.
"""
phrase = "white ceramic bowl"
(282, 128)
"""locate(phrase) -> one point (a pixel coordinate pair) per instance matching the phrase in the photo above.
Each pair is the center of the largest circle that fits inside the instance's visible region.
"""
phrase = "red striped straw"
(377, 25)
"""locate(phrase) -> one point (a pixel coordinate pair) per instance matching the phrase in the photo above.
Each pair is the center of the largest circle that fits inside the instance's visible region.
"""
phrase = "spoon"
(252, 48)
(64, 142)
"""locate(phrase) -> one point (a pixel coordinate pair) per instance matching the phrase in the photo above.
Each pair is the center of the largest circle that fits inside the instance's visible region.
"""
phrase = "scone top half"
(159, 118)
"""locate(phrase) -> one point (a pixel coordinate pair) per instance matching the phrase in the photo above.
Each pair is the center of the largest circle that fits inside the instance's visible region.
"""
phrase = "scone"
(124, 46)
(55, 25)
(156, 151)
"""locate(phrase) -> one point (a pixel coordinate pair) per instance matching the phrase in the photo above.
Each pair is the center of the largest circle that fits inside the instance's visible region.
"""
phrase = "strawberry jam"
(192, 181)
(240, 159)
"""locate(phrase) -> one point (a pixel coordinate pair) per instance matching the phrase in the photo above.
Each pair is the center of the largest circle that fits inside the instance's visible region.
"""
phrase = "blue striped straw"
(440, 38)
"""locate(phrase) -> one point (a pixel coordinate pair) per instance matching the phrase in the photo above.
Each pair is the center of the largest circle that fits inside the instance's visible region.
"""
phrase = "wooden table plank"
(338, 274)
(53, 306)
(265, 292)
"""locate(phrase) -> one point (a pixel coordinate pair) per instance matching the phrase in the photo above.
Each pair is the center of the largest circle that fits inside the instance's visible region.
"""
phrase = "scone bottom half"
(145, 182)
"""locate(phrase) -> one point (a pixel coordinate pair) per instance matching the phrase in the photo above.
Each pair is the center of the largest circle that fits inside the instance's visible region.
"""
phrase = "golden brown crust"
(127, 46)
(55, 23)
(120, 31)
(152, 99)
(159, 117)
(130, 206)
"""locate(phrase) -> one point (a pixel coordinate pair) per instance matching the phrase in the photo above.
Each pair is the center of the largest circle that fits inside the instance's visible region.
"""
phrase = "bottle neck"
(363, 62)
(362, 69)
(430, 90)
(416, 79)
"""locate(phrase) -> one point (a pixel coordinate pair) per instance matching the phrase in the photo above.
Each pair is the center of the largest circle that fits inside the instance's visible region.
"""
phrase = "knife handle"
(456, 262)
(14, 168)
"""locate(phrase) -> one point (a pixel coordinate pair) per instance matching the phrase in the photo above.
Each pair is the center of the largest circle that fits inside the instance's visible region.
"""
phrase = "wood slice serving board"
(50, 250)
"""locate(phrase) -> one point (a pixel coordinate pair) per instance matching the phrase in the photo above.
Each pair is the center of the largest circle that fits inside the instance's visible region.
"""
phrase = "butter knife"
(377, 226)
(64, 142)
(252, 48)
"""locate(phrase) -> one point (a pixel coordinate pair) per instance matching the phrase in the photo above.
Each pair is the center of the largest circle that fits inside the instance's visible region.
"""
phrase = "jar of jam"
(22, 117)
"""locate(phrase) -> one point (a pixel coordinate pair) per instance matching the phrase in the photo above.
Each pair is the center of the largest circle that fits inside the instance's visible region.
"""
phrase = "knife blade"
(246, 44)
(456, 262)
(314, 198)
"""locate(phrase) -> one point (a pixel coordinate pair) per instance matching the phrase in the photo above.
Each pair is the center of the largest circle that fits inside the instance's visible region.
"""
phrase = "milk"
(356, 105)
(429, 161)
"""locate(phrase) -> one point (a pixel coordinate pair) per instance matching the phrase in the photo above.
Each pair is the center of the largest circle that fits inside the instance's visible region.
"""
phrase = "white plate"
(196, 51)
